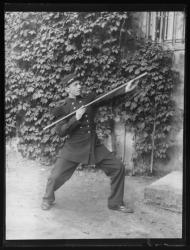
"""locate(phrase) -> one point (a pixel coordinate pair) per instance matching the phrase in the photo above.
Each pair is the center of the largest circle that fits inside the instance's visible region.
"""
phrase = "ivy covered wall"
(105, 52)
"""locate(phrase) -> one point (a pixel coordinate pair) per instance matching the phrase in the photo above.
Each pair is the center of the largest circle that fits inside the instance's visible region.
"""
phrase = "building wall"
(172, 38)
(176, 150)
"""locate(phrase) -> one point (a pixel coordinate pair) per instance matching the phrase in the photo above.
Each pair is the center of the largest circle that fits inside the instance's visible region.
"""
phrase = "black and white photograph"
(94, 124)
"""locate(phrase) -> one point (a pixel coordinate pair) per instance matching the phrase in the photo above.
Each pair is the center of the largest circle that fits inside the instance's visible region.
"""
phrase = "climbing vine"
(42, 47)
(151, 111)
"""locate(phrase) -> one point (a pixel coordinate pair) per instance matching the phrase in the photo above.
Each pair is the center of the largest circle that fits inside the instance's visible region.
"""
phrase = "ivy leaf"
(133, 105)
(131, 68)
(137, 72)
(44, 100)
(127, 104)
(69, 48)
(41, 47)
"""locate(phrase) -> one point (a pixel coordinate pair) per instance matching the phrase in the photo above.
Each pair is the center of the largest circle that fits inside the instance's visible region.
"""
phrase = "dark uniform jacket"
(82, 144)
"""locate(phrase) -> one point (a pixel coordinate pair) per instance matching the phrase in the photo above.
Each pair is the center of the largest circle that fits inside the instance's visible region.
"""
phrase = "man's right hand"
(80, 112)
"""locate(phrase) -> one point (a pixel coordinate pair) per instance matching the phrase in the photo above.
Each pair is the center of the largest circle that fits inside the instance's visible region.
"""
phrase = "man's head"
(72, 85)
(74, 89)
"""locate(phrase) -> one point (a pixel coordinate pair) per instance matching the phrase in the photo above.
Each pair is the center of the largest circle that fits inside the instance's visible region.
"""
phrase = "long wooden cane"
(94, 101)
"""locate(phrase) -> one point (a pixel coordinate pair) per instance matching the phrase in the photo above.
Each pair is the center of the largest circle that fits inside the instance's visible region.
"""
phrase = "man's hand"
(80, 112)
(129, 87)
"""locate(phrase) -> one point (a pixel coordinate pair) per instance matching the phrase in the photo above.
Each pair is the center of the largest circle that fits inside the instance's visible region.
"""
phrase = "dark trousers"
(112, 167)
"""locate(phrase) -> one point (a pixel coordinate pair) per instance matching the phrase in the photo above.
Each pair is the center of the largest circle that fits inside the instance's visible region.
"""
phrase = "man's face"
(74, 88)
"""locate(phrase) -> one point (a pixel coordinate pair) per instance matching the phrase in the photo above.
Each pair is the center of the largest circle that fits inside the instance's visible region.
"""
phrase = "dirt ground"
(81, 209)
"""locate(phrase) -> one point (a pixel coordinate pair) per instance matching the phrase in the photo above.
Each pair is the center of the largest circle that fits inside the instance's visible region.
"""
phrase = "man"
(83, 146)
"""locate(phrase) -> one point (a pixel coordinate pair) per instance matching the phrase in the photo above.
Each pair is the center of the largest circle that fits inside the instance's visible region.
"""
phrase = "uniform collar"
(75, 99)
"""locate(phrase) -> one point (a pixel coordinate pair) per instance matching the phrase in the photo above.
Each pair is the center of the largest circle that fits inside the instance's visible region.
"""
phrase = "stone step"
(166, 192)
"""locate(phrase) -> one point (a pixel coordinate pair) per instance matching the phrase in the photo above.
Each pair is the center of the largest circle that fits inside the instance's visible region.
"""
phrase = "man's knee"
(53, 177)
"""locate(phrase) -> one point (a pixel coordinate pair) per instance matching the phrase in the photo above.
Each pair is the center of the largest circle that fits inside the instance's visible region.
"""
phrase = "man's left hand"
(129, 87)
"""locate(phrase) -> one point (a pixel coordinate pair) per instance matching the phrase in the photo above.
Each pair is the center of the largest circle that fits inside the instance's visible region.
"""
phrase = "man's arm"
(67, 126)
(126, 89)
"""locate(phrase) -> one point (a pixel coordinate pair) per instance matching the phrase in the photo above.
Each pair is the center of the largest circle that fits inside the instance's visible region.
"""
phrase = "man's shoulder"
(89, 96)
(60, 108)
(64, 102)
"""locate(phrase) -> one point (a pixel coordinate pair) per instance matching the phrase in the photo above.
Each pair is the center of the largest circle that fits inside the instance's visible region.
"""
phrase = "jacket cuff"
(73, 121)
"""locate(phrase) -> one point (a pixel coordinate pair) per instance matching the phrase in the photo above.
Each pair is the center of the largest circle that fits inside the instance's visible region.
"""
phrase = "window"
(166, 27)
